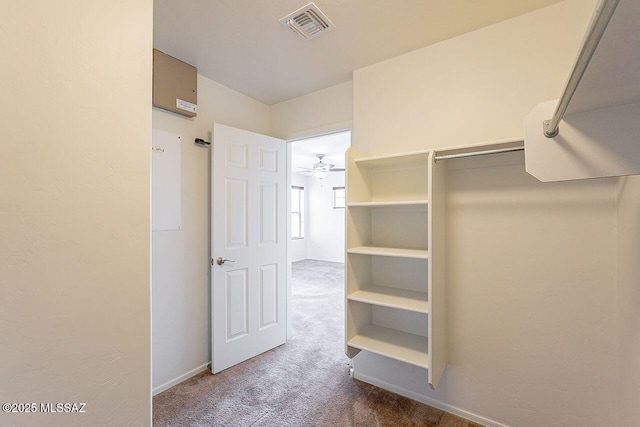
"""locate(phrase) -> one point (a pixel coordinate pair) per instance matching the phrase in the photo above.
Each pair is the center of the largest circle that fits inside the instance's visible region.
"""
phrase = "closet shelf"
(390, 252)
(375, 204)
(393, 159)
(398, 345)
(392, 297)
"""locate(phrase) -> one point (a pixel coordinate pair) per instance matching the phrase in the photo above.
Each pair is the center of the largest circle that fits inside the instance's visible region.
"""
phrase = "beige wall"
(628, 309)
(325, 111)
(473, 88)
(74, 209)
(532, 306)
(181, 297)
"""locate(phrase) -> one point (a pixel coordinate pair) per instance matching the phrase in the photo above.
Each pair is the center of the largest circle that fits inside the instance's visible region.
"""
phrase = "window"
(338, 197)
(297, 212)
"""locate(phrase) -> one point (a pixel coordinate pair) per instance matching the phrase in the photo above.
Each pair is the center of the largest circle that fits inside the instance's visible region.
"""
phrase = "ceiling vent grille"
(308, 22)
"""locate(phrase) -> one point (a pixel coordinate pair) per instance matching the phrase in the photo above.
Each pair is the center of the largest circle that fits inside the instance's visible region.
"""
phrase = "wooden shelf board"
(393, 159)
(392, 252)
(388, 203)
(392, 297)
(398, 345)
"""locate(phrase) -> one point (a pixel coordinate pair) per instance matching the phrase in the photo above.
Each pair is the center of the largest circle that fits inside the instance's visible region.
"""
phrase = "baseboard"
(181, 378)
(324, 260)
(429, 401)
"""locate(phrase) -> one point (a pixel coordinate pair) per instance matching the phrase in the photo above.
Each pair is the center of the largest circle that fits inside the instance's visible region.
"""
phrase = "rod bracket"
(548, 132)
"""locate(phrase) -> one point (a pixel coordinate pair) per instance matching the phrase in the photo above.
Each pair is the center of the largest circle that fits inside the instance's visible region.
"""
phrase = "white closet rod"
(599, 21)
(476, 153)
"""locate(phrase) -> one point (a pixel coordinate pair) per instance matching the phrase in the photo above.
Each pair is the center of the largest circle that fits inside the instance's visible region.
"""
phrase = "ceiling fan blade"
(336, 170)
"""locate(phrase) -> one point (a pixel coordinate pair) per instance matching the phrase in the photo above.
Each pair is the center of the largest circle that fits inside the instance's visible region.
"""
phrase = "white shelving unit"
(394, 285)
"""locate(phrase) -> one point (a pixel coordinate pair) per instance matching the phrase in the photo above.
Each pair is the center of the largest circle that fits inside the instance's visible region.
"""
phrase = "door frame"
(339, 127)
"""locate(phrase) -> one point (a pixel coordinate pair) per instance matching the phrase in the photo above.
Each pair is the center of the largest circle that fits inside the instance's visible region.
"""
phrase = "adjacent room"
(318, 198)
(336, 213)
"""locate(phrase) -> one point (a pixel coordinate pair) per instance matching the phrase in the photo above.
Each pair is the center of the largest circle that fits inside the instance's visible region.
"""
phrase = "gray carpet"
(302, 383)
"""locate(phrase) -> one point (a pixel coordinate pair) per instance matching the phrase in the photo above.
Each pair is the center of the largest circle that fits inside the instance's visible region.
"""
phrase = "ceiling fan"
(320, 169)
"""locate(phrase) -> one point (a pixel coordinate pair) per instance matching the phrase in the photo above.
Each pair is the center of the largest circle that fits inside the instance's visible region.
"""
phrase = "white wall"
(628, 309)
(181, 294)
(298, 247)
(325, 230)
(532, 268)
(74, 209)
(325, 111)
(324, 226)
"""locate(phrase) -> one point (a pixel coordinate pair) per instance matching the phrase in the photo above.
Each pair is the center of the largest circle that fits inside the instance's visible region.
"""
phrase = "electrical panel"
(175, 85)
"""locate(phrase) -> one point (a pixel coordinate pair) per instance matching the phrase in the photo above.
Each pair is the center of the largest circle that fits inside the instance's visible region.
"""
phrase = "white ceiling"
(241, 44)
(333, 146)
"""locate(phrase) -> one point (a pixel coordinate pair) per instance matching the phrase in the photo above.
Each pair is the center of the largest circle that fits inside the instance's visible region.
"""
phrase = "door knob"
(221, 260)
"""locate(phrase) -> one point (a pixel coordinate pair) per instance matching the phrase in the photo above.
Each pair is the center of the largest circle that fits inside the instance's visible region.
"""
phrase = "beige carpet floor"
(302, 383)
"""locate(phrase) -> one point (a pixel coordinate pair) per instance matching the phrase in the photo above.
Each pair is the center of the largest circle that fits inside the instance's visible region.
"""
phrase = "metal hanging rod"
(602, 16)
(477, 153)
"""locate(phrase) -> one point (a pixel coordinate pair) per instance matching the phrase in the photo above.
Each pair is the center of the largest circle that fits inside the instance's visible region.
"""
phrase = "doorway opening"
(317, 217)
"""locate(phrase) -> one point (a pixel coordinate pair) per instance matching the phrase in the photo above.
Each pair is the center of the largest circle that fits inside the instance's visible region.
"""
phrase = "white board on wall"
(166, 181)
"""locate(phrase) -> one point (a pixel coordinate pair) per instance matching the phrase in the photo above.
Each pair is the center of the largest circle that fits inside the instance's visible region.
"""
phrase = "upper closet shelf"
(592, 130)
(393, 159)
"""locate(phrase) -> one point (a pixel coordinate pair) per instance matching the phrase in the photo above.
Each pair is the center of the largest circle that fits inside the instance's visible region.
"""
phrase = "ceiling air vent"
(308, 22)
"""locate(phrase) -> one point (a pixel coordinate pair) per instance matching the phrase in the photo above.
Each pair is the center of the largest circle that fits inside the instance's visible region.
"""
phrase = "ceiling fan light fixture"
(320, 173)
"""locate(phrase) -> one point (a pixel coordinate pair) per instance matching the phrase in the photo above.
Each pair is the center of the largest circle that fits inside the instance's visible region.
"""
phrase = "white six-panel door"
(248, 225)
